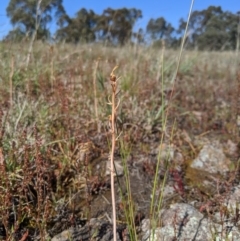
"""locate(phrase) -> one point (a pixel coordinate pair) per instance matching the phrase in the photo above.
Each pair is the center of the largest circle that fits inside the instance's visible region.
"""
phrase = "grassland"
(52, 106)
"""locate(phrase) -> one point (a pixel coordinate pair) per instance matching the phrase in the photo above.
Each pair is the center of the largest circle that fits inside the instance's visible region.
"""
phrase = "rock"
(183, 222)
(118, 167)
(168, 191)
(234, 199)
(228, 223)
(96, 230)
(231, 148)
(63, 236)
(212, 160)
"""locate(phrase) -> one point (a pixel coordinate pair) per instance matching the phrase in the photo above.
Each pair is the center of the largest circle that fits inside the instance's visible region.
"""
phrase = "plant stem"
(113, 131)
(95, 95)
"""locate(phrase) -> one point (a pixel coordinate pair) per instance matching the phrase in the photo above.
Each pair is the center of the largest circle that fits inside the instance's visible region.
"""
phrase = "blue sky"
(171, 10)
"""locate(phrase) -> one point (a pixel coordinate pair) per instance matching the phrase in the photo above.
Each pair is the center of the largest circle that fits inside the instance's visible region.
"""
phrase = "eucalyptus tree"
(160, 29)
(27, 15)
(116, 25)
(80, 28)
(212, 29)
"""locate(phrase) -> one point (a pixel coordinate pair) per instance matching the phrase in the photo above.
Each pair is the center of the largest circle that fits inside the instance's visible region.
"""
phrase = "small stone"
(118, 166)
(212, 160)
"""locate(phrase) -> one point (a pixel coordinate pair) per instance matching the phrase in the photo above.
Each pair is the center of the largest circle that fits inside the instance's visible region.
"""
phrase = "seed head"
(113, 77)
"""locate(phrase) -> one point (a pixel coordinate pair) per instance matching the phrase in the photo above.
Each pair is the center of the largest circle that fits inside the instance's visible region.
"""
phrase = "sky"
(171, 10)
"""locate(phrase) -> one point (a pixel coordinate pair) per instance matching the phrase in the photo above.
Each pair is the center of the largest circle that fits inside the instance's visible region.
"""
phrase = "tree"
(78, 29)
(138, 36)
(159, 28)
(116, 25)
(16, 34)
(23, 15)
(211, 29)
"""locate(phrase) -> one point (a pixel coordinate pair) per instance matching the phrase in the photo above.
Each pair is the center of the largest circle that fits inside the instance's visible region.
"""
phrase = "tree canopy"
(209, 29)
(26, 14)
(80, 28)
(116, 25)
(212, 29)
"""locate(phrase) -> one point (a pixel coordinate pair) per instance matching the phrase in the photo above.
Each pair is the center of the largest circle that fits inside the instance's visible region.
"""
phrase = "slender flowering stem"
(113, 80)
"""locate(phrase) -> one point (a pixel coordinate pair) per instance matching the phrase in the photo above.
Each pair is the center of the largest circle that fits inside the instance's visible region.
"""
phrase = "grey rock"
(231, 147)
(95, 230)
(182, 222)
(234, 199)
(118, 168)
(211, 159)
(232, 203)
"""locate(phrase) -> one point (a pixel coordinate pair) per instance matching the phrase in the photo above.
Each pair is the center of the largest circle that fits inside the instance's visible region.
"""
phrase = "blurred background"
(214, 25)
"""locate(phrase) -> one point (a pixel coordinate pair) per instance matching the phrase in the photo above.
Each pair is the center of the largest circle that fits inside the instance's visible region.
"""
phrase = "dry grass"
(49, 109)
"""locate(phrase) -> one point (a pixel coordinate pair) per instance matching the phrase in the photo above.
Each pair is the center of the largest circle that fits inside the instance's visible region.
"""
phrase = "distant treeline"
(209, 29)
